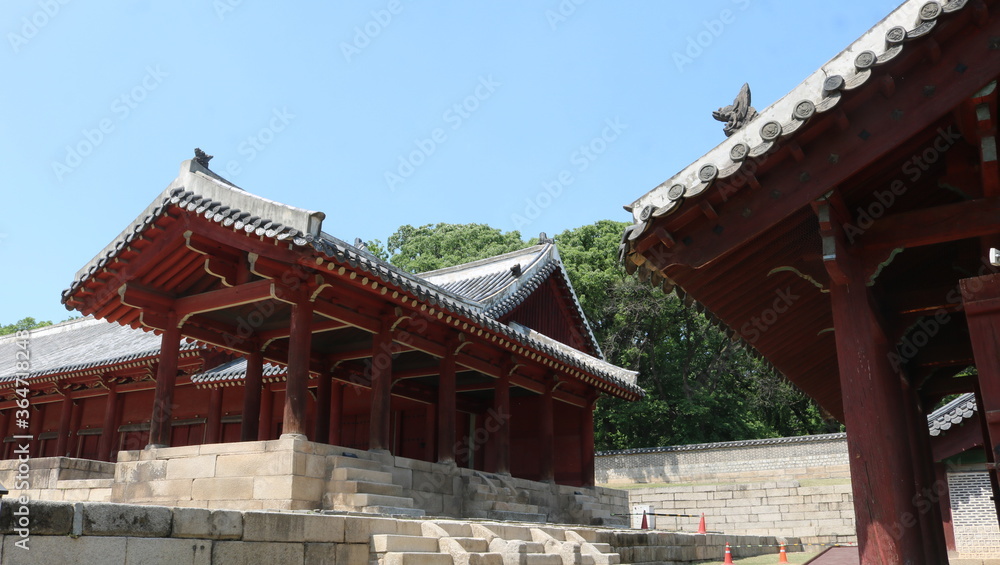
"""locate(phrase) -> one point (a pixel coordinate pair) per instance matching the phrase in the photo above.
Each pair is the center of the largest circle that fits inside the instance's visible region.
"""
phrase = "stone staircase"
(588, 509)
(447, 542)
(492, 497)
(363, 485)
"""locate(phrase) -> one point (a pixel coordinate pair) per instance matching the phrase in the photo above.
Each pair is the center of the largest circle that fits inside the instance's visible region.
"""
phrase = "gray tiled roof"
(492, 284)
(80, 345)
(819, 93)
(235, 370)
(955, 413)
(204, 193)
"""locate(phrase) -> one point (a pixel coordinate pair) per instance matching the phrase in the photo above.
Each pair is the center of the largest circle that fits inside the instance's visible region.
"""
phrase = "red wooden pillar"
(323, 394)
(547, 425)
(336, 411)
(299, 347)
(501, 411)
(166, 378)
(446, 406)
(929, 514)
(430, 431)
(35, 429)
(213, 427)
(250, 423)
(981, 300)
(877, 444)
(74, 427)
(380, 429)
(587, 444)
(4, 432)
(65, 419)
(944, 502)
(266, 414)
(109, 430)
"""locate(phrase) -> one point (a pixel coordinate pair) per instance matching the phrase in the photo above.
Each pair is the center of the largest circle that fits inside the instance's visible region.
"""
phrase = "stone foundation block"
(165, 551)
(207, 524)
(242, 552)
(110, 519)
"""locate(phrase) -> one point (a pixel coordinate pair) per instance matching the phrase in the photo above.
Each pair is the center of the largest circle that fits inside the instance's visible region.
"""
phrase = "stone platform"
(294, 474)
(108, 533)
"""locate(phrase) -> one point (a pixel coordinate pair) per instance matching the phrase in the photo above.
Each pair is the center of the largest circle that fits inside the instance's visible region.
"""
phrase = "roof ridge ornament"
(201, 157)
(737, 114)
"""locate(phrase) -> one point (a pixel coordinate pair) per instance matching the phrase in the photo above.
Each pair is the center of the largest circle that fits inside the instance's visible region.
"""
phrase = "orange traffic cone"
(729, 556)
(782, 557)
(645, 524)
(701, 525)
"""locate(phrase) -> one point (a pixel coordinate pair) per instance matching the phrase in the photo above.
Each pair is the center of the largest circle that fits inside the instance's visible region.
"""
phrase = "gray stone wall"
(817, 514)
(973, 515)
(814, 457)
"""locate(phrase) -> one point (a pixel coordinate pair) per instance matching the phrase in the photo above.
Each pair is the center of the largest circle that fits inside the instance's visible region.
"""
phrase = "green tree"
(28, 323)
(435, 246)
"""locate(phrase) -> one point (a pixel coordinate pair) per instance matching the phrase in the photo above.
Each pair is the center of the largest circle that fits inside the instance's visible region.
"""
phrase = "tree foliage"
(700, 386)
(437, 246)
(28, 323)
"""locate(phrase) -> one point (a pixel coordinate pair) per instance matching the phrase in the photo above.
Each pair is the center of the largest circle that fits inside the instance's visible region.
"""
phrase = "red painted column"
(266, 414)
(65, 419)
(981, 301)
(547, 445)
(430, 431)
(446, 406)
(166, 378)
(877, 444)
(929, 515)
(299, 347)
(74, 445)
(587, 444)
(944, 502)
(213, 426)
(109, 429)
(250, 423)
(336, 411)
(323, 393)
(380, 429)
(501, 413)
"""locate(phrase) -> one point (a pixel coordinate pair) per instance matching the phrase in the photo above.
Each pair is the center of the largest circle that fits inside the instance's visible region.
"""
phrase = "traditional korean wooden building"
(220, 316)
(847, 234)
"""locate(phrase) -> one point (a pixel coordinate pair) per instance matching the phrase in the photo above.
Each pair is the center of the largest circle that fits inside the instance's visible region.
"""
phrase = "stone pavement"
(838, 556)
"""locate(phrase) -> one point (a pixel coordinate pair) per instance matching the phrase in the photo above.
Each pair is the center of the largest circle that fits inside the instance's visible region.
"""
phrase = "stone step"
(358, 474)
(479, 559)
(355, 463)
(455, 529)
(361, 499)
(366, 487)
(84, 483)
(382, 543)
(473, 505)
(516, 516)
(394, 511)
(403, 558)
(541, 559)
(472, 545)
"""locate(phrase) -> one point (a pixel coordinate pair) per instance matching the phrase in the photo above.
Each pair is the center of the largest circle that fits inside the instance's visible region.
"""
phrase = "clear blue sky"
(473, 106)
